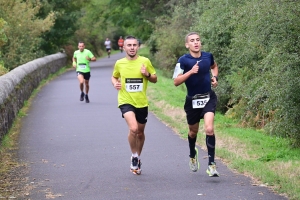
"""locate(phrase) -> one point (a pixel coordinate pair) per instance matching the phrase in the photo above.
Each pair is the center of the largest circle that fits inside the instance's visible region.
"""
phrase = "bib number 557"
(134, 87)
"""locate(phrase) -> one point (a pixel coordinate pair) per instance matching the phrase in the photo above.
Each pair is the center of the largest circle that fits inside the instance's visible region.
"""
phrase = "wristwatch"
(148, 75)
(216, 77)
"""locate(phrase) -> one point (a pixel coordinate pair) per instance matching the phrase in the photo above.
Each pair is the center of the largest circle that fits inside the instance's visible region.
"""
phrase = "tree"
(23, 31)
(265, 55)
(3, 40)
(67, 13)
(137, 16)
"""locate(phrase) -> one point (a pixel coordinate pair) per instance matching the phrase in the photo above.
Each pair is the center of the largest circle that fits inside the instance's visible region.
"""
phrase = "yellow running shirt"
(83, 65)
(134, 84)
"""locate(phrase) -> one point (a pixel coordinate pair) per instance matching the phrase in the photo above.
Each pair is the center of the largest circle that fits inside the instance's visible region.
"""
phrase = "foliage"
(92, 28)
(67, 13)
(136, 16)
(3, 40)
(3, 70)
(216, 35)
(168, 38)
(256, 45)
(23, 31)
(265, 64)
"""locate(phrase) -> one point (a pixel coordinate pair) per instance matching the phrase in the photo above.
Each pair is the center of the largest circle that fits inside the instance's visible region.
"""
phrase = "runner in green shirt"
(81, 61)
(130, 77)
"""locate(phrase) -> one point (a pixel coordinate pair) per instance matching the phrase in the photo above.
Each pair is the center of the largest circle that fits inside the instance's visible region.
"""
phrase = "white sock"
(135, 155)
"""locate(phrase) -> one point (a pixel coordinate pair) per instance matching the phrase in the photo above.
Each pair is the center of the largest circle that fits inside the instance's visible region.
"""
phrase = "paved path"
(76, 150)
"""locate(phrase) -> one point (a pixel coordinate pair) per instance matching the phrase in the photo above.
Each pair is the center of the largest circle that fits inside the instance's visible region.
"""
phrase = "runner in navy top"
(199, 72)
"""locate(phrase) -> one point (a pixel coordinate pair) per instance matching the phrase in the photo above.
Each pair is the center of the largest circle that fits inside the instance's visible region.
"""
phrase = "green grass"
(268, 160)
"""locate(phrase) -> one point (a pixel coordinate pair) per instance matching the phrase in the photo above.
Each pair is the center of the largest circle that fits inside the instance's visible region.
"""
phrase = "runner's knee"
(209, 130)
(133, 131)
(140, 135)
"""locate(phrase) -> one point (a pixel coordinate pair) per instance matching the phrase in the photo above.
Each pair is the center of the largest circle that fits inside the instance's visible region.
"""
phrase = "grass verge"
(269, 161)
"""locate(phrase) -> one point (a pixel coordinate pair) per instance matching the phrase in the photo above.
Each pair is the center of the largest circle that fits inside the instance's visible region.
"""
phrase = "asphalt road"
(79, 151)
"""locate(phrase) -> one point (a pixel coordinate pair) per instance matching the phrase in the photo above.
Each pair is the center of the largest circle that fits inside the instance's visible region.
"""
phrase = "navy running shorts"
(193, 115)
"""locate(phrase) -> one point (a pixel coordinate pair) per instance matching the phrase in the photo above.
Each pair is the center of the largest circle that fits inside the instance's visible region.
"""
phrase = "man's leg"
(192, 138)
(210, 136)
(81, 85)
(81, 81)
(140, 139)
(133, 131)
(136, 138)
(87, 88)
(210, 143)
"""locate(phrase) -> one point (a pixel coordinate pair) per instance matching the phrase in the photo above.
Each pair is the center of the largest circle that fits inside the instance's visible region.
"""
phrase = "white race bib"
(200, 100)
(82, 66)
(134, 84)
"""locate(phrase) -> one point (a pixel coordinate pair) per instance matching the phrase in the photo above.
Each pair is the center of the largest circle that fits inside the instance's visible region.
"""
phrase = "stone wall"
(17, 86)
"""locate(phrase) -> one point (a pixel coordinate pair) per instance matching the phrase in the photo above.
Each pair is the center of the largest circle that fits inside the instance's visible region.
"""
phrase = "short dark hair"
(130, 37)
(80, 42)
(189, 34)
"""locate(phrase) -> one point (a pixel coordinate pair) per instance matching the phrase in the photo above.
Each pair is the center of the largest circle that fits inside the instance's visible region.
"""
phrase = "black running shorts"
(141, 114)
(86, 75)
(193, 116)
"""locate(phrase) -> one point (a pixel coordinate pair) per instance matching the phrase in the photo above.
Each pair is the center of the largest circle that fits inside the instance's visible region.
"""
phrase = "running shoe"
(212, 170)
(139, 170)
(87, 99)
(81, 96)
(135, 166)
(194, 163)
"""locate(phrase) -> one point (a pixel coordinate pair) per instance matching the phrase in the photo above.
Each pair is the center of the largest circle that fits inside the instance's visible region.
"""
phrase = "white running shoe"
(212, 170)
(194, 164)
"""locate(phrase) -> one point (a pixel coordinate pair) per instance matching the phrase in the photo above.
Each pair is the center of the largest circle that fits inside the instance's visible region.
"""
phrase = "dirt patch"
(13, 181)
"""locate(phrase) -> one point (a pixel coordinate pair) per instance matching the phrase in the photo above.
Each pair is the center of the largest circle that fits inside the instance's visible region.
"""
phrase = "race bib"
(82, 66)
(200, 100)
(134, 84)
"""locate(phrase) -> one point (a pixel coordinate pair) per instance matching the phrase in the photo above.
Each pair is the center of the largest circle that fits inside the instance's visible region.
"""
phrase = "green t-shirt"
(83, 65)
(134, 84)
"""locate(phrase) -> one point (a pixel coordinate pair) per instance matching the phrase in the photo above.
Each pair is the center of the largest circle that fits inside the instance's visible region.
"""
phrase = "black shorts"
(86, 75)
(141, 114)
(108, 49)
(193, 115)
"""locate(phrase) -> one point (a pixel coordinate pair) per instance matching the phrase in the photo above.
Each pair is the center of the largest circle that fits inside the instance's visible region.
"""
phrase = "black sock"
(210, 144)
(192, 144)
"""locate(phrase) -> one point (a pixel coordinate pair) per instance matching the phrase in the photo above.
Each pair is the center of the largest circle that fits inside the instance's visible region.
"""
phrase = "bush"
(167, 41)
(265, 55)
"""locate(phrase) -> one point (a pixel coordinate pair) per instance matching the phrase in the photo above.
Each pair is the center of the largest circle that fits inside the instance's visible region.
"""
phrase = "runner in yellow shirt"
(130, 77)
(81, 61)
